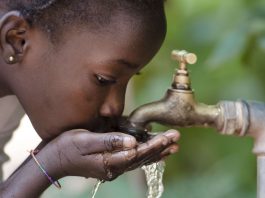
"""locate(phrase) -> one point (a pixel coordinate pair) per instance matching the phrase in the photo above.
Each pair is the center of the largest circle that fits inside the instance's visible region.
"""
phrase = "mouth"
(140, 134)
(121, 124)
(115, 124)
(103, 125)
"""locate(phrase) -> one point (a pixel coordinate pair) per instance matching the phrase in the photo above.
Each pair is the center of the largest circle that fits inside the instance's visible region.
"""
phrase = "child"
(68, 63)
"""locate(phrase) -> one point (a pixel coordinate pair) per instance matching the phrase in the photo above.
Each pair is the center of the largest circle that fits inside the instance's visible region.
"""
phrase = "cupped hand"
(105, 156)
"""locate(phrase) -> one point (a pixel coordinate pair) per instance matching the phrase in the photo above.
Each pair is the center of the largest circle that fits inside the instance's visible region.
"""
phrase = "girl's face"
(81, 83)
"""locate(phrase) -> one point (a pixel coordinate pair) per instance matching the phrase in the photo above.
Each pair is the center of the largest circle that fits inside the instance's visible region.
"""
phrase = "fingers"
(153, 150)
(172, 134)
(114, 164)
(156, 157)
(91, 143)
(157, 143)
(165, 153)
(169, 150)
(161, 145)
(111, 165)
(114, 141)
(108, 166)
(117, 163)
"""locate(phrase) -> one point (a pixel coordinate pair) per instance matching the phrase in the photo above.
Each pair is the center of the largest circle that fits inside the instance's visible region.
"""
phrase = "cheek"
(78, 103)
(71, 104)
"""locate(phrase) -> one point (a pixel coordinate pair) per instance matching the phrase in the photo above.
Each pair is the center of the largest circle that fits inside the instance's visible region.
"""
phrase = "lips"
(103, 125)
(115, 124)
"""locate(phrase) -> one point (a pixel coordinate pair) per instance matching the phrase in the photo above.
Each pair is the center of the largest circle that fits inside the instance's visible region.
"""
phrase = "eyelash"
(104, 81)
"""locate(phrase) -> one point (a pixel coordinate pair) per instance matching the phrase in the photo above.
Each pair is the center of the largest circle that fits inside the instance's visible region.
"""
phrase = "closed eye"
(105, 80)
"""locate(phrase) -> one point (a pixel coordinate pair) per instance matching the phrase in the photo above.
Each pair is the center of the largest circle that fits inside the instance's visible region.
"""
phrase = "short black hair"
(52, 15)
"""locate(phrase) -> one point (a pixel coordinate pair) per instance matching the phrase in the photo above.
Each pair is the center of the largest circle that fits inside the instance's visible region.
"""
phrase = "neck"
(4, 85)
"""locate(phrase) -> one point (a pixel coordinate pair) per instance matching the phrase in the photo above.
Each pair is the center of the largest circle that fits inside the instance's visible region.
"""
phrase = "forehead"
(135, 39)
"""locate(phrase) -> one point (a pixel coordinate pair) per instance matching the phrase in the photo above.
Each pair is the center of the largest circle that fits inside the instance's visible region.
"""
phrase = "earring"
(11, 60)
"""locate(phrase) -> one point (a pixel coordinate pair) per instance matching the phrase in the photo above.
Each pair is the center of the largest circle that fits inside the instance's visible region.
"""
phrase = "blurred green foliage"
(229, 39)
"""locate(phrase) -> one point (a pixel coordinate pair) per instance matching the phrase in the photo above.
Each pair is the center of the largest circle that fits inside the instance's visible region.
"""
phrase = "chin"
(47, 134)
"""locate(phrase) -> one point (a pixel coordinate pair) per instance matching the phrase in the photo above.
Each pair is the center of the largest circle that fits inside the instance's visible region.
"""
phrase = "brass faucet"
(179, 107)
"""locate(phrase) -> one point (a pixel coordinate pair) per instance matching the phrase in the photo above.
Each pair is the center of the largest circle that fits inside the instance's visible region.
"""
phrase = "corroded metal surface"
(179, 108)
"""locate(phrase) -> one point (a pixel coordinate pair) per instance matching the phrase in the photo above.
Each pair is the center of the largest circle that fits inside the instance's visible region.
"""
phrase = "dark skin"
(73, 90)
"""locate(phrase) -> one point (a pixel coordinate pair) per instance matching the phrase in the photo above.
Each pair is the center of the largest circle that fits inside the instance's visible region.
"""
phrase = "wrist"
(50, 161)
(17, 185)
(55, 182)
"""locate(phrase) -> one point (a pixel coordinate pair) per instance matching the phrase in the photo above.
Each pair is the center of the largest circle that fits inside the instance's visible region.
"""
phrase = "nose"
(113, 104)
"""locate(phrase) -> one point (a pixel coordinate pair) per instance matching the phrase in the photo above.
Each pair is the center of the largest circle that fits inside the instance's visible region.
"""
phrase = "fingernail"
(129, 142)
(172, 130)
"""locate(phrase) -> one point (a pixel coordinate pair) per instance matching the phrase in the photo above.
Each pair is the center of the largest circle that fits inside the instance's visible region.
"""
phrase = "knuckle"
(113, 142)
(111, 171)
(130, 155)
(164, 139)
(173, 135)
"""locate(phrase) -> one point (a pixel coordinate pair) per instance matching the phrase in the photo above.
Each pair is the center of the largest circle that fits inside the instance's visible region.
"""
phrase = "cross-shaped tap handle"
(184, 57)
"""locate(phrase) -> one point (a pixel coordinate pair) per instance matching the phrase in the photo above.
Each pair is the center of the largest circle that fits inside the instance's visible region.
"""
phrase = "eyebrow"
(128, 64)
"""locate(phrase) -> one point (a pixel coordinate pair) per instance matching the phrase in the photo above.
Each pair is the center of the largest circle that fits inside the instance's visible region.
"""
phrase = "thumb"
(90, 143)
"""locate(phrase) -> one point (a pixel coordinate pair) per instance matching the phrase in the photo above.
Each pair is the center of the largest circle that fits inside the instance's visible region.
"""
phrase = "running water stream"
(96, 187)
(154, 178)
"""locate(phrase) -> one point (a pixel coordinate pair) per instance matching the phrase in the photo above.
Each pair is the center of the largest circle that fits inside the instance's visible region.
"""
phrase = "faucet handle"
(184, 57)
(181, 80)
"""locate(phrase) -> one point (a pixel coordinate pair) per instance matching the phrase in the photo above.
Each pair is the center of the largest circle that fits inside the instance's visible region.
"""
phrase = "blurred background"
(229, 39)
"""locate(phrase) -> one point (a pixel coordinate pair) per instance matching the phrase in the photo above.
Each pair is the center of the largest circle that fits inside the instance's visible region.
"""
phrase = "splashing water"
(154, 178)
(96, 187)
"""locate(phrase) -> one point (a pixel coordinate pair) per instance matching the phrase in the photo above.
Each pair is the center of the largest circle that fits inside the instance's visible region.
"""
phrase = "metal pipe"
(257, 131)
(261, 176)
(257, 126)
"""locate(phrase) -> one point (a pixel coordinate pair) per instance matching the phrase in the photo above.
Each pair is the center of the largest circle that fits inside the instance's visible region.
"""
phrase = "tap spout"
(178, 109)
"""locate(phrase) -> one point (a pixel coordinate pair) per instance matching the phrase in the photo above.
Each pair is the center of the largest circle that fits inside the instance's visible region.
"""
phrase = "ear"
(13, 35)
